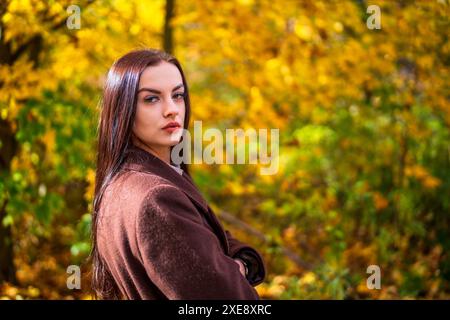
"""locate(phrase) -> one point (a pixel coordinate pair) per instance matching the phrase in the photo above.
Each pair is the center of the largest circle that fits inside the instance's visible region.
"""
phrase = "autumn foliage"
(364, 116)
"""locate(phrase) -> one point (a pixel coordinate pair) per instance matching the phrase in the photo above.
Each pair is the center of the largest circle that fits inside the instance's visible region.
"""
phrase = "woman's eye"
(150, 99)
(179, 95)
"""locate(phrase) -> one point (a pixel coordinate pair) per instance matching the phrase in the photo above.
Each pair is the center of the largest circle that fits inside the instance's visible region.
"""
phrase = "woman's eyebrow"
(157, 91)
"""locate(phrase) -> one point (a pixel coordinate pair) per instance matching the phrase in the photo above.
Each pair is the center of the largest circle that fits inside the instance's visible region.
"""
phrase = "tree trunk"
(168, 30)
(7, 152)
(8, 148)
(9, 53)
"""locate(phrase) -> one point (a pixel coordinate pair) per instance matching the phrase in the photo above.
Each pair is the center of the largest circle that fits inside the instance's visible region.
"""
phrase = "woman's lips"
(171, 129)
(172, 126)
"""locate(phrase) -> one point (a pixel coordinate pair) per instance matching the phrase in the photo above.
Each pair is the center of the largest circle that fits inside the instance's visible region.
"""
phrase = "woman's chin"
(169, 142)
(173, 138)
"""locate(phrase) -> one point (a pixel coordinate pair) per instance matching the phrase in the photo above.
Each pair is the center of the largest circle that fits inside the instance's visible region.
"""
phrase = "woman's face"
(160, 109)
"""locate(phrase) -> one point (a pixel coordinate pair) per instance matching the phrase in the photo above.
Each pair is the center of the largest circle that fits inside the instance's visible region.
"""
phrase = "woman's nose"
(170, 108)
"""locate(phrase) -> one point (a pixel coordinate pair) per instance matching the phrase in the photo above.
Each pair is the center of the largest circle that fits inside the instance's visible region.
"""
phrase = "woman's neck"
(162, 153)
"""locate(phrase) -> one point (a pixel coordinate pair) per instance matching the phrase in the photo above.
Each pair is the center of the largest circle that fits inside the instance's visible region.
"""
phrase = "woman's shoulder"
(134, 198)
(136, 185)
(128, 195)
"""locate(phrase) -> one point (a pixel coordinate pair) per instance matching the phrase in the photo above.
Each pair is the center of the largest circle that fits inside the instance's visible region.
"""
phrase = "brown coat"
(161, 240)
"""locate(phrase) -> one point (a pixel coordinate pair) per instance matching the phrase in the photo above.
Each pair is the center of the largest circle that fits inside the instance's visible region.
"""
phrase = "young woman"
(154, 236)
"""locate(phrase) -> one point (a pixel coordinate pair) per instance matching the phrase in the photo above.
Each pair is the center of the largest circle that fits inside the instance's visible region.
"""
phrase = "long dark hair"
(118, 109)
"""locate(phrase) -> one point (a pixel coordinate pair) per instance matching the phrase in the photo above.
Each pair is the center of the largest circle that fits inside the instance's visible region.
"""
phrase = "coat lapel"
(140, 160)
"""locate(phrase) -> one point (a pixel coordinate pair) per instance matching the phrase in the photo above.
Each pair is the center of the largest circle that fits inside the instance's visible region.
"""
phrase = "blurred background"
(363, 114)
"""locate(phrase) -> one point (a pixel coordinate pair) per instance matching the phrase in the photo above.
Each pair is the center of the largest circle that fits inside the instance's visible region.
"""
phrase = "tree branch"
(228, 217)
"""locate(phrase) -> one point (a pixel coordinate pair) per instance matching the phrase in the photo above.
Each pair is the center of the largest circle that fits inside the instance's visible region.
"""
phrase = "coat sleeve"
(181, 256)
(254, 261)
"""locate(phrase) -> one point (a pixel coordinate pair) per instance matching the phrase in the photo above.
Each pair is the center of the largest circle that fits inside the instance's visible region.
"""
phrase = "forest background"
(363, 114)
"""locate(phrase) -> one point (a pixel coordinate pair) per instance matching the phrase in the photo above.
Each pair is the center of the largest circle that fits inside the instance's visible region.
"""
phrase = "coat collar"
(140, 160)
